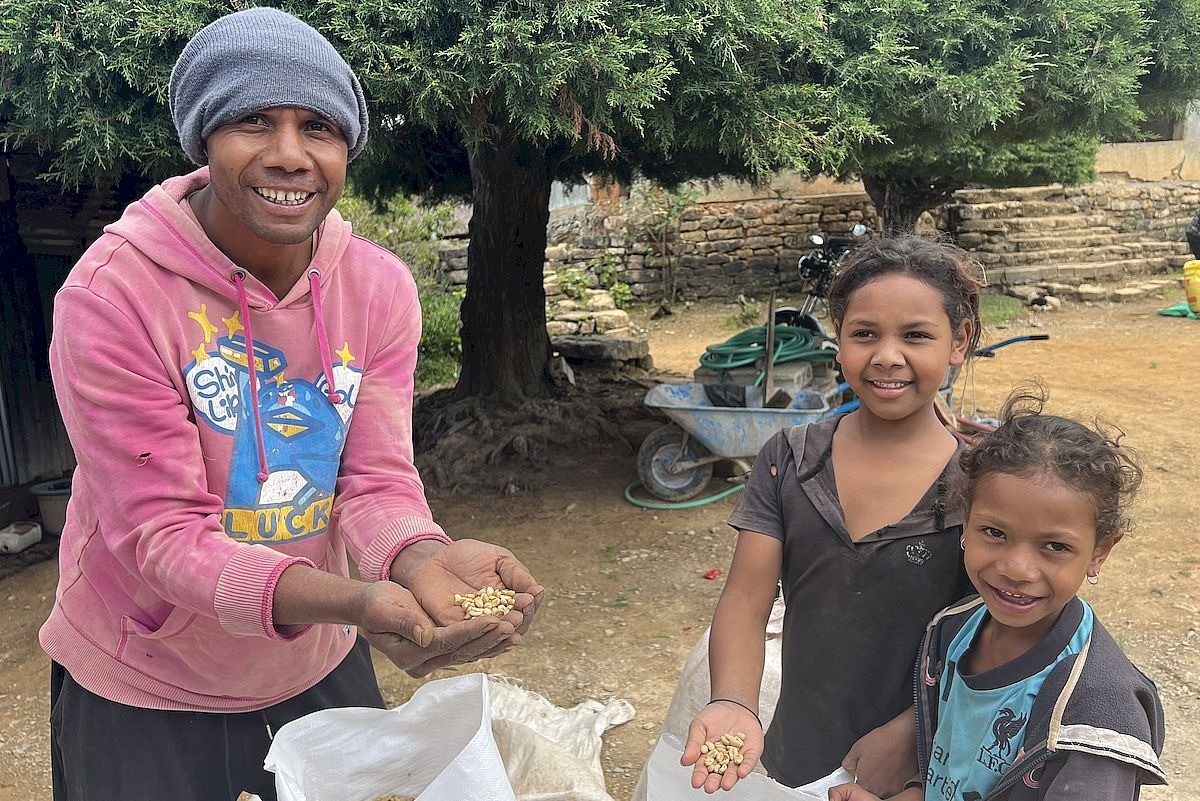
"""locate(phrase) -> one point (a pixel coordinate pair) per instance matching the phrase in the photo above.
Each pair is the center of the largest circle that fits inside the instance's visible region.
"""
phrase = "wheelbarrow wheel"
(664, 447)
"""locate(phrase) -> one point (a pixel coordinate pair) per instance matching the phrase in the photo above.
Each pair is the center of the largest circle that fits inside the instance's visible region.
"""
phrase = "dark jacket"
(1094, 709)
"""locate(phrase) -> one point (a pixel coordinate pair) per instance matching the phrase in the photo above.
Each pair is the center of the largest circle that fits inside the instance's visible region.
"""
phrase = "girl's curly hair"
(1029, 443)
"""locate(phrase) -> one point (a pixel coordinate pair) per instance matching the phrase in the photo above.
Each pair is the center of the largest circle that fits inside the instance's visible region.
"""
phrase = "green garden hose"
(692, 504)
(792, 343)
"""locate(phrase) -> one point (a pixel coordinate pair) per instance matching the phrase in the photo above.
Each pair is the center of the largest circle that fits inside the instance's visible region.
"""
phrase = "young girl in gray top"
(848, 513)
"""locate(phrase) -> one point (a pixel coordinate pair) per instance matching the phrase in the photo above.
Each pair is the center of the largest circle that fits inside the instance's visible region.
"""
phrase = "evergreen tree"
(1012, 92)
(492, 101)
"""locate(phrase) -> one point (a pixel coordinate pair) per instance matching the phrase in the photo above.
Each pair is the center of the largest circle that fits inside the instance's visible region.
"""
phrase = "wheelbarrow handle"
(990, 351)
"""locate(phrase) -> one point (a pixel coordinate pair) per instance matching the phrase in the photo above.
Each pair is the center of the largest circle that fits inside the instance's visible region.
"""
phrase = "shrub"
(408, 230)
(412, 232)
(574, 282)
(439, 355)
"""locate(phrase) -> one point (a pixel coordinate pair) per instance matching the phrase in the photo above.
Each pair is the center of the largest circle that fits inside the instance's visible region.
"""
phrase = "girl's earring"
(1093, 579)
(962, 543)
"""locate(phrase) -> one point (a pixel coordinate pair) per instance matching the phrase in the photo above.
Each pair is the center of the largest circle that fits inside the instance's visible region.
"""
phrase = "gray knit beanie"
(258, 59)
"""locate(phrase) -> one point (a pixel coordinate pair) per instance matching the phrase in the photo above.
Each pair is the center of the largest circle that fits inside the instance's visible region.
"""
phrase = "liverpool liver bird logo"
(1006, 726)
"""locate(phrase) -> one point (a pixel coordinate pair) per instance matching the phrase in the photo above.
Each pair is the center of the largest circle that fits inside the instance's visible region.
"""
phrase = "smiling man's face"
(276, 173)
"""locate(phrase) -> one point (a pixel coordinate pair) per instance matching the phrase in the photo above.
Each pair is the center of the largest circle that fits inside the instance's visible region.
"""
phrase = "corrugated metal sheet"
(42, 233)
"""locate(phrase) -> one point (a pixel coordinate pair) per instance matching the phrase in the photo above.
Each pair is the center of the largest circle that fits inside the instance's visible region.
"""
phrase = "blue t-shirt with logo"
(982, 716)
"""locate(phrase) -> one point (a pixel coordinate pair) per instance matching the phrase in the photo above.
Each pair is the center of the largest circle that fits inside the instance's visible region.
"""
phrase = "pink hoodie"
(186, 506)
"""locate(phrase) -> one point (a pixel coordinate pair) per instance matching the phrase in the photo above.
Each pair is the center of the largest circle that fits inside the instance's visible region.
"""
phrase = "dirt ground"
(627, 595)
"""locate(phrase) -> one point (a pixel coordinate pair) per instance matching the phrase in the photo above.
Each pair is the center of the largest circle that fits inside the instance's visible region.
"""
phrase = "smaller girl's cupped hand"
(885, 758)
(716, 719)
(851, 792)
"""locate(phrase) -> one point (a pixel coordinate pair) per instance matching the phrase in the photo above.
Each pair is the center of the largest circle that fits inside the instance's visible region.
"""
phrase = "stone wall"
(723, 249)
(1106, 231)
(727, 248)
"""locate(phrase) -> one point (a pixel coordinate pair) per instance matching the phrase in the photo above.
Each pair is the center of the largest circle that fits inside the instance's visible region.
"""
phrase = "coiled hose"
(792, 344)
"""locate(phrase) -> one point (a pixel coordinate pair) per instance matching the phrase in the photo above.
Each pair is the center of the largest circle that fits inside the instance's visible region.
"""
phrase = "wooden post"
(768, 375)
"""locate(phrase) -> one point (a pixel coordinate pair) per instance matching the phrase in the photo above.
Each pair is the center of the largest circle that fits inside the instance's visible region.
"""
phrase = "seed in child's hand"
(725, 751)
(488, 601)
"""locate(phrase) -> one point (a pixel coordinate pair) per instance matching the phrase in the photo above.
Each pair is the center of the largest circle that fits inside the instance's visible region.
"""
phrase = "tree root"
(473, 444)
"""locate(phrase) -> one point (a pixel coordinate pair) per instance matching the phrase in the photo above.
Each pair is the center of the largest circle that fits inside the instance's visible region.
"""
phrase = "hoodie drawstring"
(263, 470)
(335, 396)
(314, 284)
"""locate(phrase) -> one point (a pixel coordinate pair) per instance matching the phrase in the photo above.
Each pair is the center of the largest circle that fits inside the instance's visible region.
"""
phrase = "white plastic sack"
(692, 691)
(436, 747)
(456, 738)
(551, 753)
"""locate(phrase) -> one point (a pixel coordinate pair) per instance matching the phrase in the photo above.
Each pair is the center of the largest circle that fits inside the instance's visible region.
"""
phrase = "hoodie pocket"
(132, 630)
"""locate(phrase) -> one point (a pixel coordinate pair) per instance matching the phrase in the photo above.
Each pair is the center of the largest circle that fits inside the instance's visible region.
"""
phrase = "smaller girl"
(1021, 693)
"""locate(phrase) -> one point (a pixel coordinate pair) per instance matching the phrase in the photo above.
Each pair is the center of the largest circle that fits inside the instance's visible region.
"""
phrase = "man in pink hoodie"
(235, 371)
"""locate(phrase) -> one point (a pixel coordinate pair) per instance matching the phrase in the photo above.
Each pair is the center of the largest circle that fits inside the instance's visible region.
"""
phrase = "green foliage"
(745, 317)
(606, 269)
(440, 352)
(574, 282)
(603, 272)
(926, 96)
(1069, 158)
(681, 90)
(87, 83)
(983, 92)
(610, 86)
(411, 232)
(622, 295)
(407, 229)
(1000, 309)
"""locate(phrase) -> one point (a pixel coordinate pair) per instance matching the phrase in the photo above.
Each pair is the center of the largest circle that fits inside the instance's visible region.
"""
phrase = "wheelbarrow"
(675, 462)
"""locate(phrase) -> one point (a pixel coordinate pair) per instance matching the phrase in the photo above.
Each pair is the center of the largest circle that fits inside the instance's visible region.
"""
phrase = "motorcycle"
(818, 268)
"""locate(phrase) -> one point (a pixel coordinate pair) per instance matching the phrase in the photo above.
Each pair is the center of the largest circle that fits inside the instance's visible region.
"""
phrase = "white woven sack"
(692, 690)
(436, 747)
(551, 753)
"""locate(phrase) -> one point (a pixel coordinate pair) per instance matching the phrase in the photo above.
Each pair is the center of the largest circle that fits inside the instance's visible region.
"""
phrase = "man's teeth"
(283, 198)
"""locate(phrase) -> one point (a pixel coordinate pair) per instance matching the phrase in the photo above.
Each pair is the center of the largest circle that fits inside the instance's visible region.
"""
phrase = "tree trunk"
(505, 345)
(901, 201)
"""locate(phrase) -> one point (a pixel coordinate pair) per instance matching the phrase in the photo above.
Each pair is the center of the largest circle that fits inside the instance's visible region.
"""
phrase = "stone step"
(1063, 238)
(976, 196)
(1081, 272)
(1092, 237)
(1116, 211)
(1011, 208)
(1103, 253)
(1081, 238)
(1055, 222)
